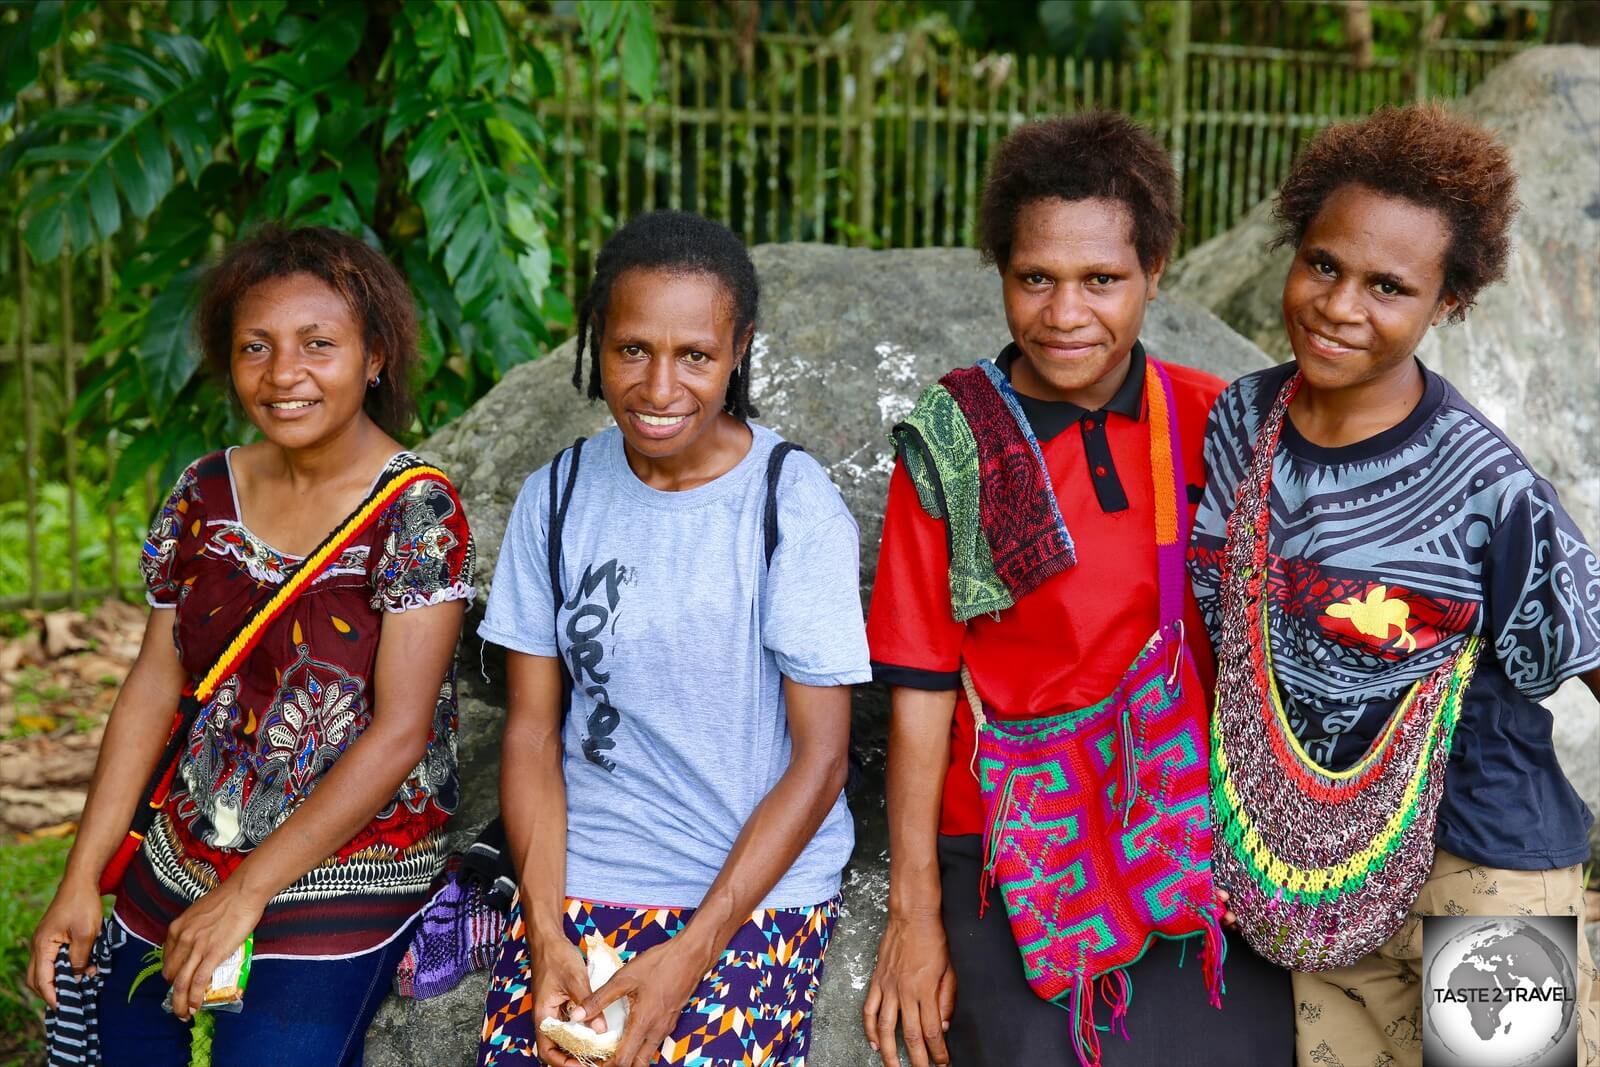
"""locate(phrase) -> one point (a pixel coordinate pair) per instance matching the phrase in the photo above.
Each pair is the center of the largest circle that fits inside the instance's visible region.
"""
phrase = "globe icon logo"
(1499, 992)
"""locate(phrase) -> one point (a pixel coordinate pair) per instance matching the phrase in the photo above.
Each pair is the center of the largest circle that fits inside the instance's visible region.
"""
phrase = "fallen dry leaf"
(62, 633)
(27, 810)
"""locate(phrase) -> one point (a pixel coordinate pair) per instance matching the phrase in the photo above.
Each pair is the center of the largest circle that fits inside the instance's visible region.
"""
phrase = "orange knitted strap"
(314, 564)
(1161, 461)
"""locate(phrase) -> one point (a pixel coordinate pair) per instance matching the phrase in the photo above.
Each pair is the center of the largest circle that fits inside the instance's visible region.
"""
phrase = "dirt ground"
(58, 681)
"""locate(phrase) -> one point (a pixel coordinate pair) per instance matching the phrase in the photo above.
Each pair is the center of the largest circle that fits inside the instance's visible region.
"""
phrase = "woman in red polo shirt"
(1032, 551)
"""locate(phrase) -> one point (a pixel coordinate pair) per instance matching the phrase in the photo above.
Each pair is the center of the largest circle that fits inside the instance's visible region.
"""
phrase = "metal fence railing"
(866, 137)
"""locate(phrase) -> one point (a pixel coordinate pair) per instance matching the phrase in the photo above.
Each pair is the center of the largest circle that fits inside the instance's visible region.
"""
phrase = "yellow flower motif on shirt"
(1375, 615)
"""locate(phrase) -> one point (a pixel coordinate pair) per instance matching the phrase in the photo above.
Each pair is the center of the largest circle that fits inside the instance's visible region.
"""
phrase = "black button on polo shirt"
(1050, 417)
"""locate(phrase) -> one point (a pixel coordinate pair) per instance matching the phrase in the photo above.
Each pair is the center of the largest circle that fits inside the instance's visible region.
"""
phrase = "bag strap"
(394, 480)
(560, 500)
(1169, 493)
(769, 517)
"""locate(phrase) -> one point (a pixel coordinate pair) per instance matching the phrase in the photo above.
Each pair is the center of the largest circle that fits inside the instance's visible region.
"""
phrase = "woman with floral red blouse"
(311, 792)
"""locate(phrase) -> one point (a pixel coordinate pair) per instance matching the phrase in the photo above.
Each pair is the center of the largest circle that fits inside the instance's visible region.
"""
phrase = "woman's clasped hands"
(657, 983)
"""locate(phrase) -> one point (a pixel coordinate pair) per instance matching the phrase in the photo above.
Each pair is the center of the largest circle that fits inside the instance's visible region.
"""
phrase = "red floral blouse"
(273, 728)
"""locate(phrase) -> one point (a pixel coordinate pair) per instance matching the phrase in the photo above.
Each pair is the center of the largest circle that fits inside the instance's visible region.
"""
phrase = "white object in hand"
(576, 1038)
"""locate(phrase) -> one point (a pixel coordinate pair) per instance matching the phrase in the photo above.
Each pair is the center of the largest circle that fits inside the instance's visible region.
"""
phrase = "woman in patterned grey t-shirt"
(1402, 526)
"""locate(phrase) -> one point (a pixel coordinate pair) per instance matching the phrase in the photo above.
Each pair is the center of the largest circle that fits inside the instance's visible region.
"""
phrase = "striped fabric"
(72, 1031)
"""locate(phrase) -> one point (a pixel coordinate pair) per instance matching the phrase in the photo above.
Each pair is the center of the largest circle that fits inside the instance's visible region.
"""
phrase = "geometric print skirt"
(752, 1009)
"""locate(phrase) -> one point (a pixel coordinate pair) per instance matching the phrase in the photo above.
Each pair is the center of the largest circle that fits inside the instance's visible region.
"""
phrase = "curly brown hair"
(1426, 155)
(1082, 157)
(374, 290)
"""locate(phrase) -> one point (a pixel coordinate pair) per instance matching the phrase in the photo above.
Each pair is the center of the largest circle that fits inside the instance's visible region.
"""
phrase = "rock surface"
(846, 341)
(1528, 356)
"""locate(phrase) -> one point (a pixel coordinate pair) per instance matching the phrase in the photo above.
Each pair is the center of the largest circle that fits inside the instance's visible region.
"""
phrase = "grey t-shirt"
(677, 633)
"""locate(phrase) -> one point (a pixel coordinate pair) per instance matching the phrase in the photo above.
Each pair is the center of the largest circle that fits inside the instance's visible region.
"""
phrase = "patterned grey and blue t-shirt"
(678, 635)
(1384, 556)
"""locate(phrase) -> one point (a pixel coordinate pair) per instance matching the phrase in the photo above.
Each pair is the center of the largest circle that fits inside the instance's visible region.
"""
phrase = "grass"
(29, 871)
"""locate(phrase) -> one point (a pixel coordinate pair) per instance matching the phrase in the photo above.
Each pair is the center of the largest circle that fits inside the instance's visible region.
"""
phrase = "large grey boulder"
(847, 340)
(1240, 279)
(1529, 354)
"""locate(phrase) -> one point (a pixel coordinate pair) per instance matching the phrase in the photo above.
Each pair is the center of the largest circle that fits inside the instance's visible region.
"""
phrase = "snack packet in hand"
(226, 990)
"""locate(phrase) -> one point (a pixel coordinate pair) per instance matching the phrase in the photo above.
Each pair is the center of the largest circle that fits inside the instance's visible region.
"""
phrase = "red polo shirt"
(1066, 644)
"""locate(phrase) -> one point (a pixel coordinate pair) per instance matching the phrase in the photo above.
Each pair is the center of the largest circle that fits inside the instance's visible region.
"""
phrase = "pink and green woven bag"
(1098, 825)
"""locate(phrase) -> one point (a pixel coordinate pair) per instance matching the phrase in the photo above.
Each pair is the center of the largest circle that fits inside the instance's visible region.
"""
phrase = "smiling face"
(1365, 287)
(1075, 296)
(666, 356)
(299, 364)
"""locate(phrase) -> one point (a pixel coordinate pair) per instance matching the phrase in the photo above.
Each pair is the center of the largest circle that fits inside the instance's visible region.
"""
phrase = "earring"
(376, 378)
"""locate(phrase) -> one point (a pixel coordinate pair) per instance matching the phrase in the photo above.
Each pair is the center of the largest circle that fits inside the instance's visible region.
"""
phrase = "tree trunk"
(1574, 22)
(1358, 32)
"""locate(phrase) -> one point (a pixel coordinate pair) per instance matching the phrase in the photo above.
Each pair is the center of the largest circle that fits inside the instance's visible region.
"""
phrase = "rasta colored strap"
(394, 480)
(389, 487)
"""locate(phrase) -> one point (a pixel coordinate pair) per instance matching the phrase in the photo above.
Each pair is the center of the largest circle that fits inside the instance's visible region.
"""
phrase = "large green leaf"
(25, 42)
(602, 21)
(461, 188)
(492, 51)
(114, 145)
(639, 51)
(168, 354)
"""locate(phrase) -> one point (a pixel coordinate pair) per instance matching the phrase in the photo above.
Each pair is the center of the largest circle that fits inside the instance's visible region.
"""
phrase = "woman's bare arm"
(140, 722)
(913, 984)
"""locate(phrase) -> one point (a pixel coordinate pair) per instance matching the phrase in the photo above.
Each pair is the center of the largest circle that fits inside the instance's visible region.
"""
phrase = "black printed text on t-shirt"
(593, 613)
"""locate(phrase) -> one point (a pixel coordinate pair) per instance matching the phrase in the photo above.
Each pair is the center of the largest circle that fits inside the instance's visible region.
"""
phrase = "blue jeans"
(312, 1012)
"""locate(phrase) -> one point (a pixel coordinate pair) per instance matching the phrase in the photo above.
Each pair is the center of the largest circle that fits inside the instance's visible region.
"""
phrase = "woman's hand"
(560, 983)
(913, 984)
(1230, 921)
(202, 937)
(658, 982)
(72, 919)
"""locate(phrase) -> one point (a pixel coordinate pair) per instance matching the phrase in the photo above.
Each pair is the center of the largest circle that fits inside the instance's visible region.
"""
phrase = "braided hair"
(678, 242)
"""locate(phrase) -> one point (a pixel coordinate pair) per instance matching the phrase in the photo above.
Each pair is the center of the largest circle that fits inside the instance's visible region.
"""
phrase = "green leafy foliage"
(117, 151)
(634, 25)
(96, 526)
(414, 125)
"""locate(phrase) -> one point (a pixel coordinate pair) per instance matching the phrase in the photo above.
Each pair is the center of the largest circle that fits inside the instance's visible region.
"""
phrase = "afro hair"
(1096, 154)
(1429, 157)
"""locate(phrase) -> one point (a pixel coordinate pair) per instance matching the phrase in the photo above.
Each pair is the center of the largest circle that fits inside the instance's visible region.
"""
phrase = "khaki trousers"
(1369, 1014)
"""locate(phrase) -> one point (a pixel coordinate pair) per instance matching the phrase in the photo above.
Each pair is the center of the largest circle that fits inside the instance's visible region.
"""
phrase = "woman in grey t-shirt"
(686, 803)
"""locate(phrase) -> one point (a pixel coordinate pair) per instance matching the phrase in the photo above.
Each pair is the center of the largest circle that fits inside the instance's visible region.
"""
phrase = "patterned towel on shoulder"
(977, 465)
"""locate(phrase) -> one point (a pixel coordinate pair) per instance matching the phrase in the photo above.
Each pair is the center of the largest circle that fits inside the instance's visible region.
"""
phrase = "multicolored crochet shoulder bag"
(1322, 866)
(1098, 834)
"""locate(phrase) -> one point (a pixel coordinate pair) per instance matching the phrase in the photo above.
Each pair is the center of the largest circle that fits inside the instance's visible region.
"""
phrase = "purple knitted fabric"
(457, 934)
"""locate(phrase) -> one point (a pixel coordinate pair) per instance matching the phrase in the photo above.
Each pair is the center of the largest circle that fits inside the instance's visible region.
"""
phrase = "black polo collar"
(1048, 418)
